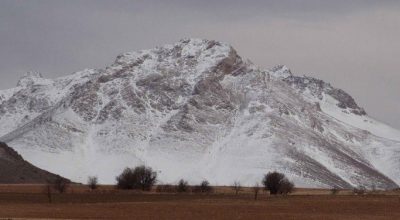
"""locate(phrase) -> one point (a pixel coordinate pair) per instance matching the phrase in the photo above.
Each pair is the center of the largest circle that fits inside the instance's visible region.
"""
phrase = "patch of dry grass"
(29, 201)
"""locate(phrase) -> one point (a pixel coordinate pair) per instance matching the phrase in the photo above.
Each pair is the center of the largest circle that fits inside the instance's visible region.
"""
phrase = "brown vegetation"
(237, 187)
(204, 187)
(182, 186)
(60, 184)
(92, 182)
(141, 177)
(277, 183)
(256, 189)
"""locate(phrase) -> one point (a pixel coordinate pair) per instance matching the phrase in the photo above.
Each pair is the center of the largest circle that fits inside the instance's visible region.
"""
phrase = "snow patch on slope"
(364, 122)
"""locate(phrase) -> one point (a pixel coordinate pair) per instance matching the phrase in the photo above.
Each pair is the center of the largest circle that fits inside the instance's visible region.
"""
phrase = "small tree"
(145, 177)
(256, 188)
(182, 186)
(141, 177)
(204, 187)
(60, 184)
(277, 183)
(360, 190)
(92, 182)
(126, 180)
(236, 187)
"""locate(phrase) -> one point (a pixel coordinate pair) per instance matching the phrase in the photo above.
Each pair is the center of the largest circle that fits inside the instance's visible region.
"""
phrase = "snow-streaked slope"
(363, 122)
(196, 110)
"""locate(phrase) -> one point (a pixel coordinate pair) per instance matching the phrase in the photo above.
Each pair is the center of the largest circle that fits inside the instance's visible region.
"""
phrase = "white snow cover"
(363, 122)
(196, 110)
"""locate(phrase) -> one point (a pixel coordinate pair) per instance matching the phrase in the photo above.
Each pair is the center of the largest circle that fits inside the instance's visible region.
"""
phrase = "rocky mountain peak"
(318, 88)
(30, 78)
(196, 110)
(187, 49)
(281, 71)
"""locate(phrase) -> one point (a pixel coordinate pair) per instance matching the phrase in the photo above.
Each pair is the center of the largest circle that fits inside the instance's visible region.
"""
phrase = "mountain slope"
(196, 110)
(14, 169)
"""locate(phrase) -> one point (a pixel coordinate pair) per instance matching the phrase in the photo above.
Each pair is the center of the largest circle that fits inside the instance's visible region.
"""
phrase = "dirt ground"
(30, 202)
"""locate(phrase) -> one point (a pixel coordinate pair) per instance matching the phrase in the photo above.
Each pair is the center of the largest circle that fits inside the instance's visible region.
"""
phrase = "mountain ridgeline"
(196, 110)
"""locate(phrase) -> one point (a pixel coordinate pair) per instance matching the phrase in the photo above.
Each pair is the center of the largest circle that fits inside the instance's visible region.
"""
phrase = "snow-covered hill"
(196, 110)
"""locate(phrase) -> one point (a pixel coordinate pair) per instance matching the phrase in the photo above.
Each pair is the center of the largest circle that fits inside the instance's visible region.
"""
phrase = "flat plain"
(31, 202)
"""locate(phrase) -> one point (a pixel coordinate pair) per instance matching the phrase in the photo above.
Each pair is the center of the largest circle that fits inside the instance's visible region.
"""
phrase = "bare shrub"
(92, 182)
(236, 187)
(256, 188)
(182, 186)
(204, 187)
(60, 184)
(141, 177)
(360, 190)
(335, 191)
(126, 180)
(277, 183)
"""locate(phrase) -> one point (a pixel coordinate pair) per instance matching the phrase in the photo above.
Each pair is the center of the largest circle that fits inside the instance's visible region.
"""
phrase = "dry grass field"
(30, 202)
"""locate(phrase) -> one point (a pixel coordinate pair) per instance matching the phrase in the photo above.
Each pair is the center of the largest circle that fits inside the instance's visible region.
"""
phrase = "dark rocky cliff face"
(318, 87)
(15, 170)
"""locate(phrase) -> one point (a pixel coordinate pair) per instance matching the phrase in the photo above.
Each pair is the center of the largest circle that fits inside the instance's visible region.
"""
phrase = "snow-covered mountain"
(196, 110)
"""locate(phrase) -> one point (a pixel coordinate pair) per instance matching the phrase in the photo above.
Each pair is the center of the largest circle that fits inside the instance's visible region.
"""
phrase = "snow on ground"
(237, 126)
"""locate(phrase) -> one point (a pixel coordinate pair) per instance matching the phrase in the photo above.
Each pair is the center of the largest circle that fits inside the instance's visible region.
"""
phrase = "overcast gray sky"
(353, 44)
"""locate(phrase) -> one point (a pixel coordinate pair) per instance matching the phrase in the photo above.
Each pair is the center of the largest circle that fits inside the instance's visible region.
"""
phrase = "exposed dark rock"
(14, 169)
(319, 87)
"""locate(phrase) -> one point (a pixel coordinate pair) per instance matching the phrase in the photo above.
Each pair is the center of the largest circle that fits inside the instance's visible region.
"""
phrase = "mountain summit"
(196, 110)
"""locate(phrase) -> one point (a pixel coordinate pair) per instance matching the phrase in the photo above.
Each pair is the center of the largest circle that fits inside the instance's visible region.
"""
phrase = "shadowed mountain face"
(197, 110)
(15, 170)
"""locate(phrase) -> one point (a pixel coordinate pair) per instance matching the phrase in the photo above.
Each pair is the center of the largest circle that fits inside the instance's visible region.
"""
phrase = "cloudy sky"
(353, 44)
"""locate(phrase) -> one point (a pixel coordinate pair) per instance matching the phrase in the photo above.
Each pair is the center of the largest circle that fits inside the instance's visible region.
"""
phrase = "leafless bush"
(277, 183)
(360, 190)
(141, 177)
(92, 182)
(48, 192)
(204, 187)
(182, 186)
(256, 188)
(236, 187)
(335, 191)
(60, 184)
(127, 179)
